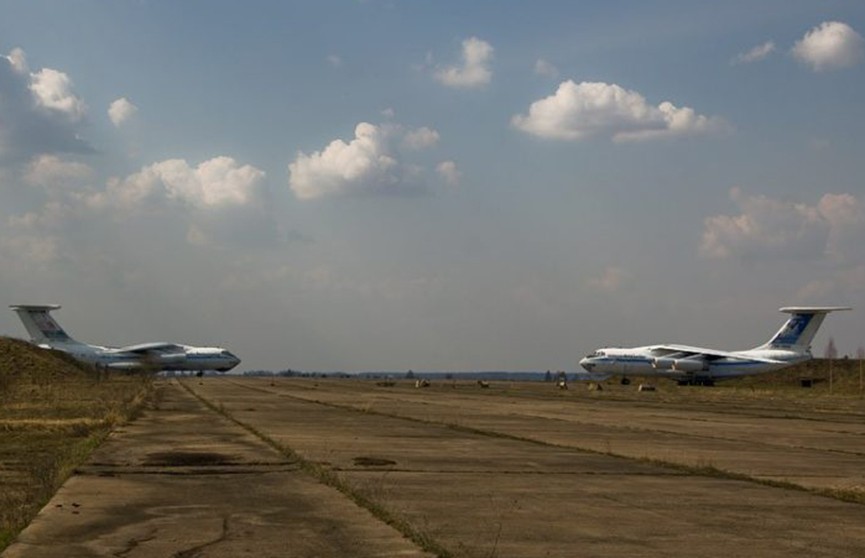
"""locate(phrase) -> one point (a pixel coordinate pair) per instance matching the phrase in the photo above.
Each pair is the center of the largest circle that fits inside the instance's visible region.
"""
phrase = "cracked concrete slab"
(485, 473)
(515, 471)
(184, 481)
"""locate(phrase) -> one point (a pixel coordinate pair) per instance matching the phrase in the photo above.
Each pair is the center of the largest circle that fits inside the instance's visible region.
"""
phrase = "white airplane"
(696, 365)
(47, 333)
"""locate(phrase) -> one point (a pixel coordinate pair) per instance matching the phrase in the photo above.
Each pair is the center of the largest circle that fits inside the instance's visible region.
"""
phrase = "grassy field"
(53, 412)
(837, 380)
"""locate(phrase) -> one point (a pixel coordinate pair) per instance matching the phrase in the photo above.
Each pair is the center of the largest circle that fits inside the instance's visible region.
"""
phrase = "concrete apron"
(183, 481)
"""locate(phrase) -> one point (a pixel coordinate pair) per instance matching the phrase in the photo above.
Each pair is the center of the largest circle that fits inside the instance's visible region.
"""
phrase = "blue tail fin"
(799, 330)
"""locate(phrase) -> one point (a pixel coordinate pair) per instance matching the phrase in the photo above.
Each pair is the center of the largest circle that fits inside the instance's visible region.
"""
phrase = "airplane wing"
(709, 354)
(150, 348)
(159, 353)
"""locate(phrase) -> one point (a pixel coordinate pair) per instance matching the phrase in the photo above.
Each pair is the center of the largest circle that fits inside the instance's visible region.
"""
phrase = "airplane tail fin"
(799, 330)
(39, 323)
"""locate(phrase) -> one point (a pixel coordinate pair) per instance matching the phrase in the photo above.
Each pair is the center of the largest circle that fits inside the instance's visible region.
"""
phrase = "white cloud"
(474, 70)
(214, 183)
(51, 171)
(578, 111)
(449, 172)
(18, 60)
(32, 249)
(39, 113)
(830, 45)
(846, 217)
(363, 164)
(121, 110)
(775, 229)
(546, 69)
(369, 164)
(756, 54)
(846, 283)
(216, 203)
(52, 90)
(421, 138)
(212, 187)
(610, 280)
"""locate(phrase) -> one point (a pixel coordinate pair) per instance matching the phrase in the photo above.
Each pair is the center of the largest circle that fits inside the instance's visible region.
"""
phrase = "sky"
(384, 185)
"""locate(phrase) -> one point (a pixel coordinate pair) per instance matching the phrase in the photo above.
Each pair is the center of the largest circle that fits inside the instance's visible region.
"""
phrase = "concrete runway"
(291, 467)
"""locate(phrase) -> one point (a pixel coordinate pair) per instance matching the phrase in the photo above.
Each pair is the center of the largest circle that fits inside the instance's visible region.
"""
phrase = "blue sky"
(432, 185)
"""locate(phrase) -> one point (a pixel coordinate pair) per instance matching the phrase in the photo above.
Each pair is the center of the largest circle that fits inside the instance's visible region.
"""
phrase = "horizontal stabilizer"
(814, 309)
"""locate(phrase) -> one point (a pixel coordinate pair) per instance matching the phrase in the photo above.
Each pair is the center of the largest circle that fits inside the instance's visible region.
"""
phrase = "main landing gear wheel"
(626, 381)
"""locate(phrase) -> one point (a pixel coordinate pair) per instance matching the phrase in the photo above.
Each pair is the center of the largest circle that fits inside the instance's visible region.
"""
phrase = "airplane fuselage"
(46, 333)
(186, 357)
(791, 344)
(654, 361)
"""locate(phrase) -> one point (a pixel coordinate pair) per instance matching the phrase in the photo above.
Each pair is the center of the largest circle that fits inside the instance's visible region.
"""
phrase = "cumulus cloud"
(474, 71)
(610, 280)
(362, 164)
(421, 138)
(579, 111)
(18, 60)
(845, 283)
(546, 69)
(449, 172)
(218, 202)
(121, 110)
(39, 111)
(52, 171)
(52, 90)
(774, 229)
(217, 182)
(369, 164)
(756, 54)
(830, 45)
(34, 249)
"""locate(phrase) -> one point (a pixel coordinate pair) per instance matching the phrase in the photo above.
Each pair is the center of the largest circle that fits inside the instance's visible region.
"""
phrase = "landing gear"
(626, 381)
(708, 382)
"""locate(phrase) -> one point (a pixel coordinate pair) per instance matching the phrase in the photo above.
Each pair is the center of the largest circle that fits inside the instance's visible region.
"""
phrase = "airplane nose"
(232, 362)
(587, 364)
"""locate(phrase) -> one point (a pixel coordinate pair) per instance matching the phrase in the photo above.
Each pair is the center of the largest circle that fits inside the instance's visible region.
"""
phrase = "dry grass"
(53, 412)
(834, 385)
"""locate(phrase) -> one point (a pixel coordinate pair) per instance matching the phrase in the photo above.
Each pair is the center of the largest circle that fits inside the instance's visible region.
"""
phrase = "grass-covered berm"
(53, 412)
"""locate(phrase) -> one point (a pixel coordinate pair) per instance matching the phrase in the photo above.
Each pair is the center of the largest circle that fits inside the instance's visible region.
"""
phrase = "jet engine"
(689, 365)
(168, 358)
(679, 364)
(663, 363)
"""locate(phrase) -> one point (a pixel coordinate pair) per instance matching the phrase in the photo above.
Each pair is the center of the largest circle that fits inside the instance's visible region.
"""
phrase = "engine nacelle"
(663, 363)
(168, 358)
(689, 365)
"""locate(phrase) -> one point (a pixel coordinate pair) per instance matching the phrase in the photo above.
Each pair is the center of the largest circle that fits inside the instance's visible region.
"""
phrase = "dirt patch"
(187, 459)
(373, 462)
